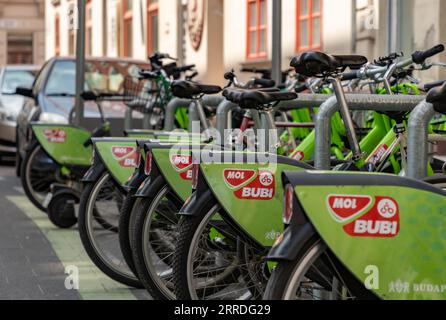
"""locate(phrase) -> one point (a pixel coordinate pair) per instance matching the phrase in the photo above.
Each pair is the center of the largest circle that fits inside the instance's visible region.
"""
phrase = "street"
(34, 254)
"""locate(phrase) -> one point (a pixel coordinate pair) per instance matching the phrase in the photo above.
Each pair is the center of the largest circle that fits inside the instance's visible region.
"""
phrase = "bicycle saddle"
(318, 64)
(256, 99)
(189, 89)
(437, 96)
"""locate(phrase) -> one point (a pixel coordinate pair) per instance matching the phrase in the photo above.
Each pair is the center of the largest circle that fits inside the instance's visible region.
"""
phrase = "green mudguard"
(64, 143)
(393, 230)
(252, 194)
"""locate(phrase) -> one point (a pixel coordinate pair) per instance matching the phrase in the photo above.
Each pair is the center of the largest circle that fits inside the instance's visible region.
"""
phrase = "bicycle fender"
(94, 173)
(145, 189)
(293, 240)
(196, 202)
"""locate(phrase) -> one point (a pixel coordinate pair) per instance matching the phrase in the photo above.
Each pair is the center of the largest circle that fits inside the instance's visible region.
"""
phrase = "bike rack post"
(223, 109)
(193, 115)
(128, 119)
(171, 108)
(362, 102)
(417, 142)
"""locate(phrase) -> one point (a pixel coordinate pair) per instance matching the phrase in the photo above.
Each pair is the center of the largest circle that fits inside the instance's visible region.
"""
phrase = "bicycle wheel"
(209, 263)
(98, 224)
(154, 236)
(315, 274)
(36, 181)
(125, 221)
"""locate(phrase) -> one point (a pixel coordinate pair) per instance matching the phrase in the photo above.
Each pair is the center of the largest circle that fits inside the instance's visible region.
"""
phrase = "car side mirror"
(26, 92)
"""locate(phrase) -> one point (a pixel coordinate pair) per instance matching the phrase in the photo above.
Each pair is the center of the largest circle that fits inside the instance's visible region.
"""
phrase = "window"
(152, 26)
(257, 29)
(89, 28)
(57, 35)
(17, 78)
(309, 25)
(20, 48)
(127, 26)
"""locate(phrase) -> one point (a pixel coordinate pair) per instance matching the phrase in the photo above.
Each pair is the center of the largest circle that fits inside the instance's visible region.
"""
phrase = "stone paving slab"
(34, 255)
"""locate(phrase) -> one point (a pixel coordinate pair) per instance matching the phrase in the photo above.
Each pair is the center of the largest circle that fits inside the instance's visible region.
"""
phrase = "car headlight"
(48, 117)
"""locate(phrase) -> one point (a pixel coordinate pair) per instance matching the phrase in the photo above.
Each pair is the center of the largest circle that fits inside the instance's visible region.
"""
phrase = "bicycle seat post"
(345, 112)
(268, 124)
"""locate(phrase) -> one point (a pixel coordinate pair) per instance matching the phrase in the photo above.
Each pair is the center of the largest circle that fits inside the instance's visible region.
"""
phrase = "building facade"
(219, 35)
(22, 27)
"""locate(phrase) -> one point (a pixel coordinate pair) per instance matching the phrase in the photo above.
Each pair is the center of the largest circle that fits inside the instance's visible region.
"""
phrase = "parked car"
(52, 96)
(12, 77)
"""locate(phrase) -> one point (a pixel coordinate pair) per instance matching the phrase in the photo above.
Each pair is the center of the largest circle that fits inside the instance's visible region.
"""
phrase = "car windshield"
(17, 78)
(100, 76)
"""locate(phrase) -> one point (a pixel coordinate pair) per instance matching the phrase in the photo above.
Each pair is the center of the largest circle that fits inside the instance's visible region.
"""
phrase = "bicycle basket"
(139, 94)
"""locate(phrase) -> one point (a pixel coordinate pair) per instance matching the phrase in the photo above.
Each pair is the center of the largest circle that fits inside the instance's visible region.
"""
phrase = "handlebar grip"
(145, 74)
(265, 83)
(419, 57)
(349, 76)
(185, 68)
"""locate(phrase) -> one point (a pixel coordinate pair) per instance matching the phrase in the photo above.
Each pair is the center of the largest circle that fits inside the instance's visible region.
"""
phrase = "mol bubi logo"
(55, 135)
(362, 219)
(183, 165)
(251, 184)
(127, 157)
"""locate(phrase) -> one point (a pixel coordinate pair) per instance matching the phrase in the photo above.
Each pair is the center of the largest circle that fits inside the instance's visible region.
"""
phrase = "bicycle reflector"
(195, 171)
(288, 204)
(148, 163)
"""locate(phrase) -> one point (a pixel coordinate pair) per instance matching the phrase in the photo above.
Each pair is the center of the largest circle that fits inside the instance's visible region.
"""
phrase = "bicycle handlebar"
(185, 68)
(419, 57)
(147, 74)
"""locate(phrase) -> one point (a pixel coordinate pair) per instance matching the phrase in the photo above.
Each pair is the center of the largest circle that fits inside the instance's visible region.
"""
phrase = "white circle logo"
(387, 208)
(266, 179)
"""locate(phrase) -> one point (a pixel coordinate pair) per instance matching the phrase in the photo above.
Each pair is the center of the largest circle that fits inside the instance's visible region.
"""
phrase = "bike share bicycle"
(114, 161)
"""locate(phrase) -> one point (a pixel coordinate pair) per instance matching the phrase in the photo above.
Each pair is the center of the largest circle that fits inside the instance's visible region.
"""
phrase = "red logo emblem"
(345, 207)
(251, 184)
(127, 157)
(381, 221)
(55, 135)
(183, 165)
(235, 178)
